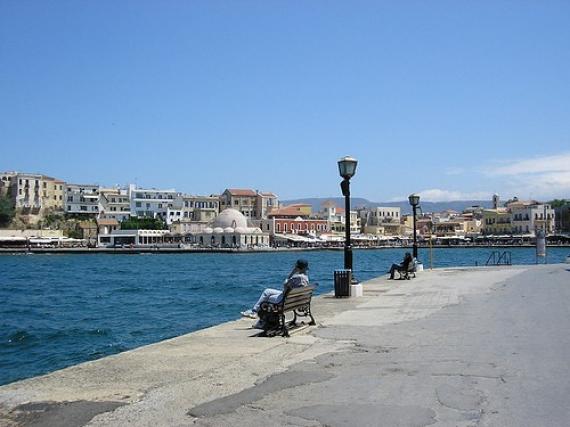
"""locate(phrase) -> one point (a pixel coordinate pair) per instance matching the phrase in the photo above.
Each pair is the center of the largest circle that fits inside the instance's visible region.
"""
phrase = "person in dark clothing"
(403, 266)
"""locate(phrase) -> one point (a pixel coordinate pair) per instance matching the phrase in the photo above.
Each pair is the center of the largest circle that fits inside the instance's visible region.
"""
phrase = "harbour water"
(60, 310)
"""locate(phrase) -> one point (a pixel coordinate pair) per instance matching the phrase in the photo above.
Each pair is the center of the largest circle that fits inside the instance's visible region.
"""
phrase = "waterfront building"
(380, 221)
(189, 209)
(230, 229)
(291, 211)
(496, 221)
(6, 182)
(336, 217)
(82, 199)
(32, 194)
(140, 238)
(308, 226)
(188, 227)
(89, 231)
(449, 228)
(114, 204)
(107, 225)
(153, 203)
(529, 216)
(265, 203)
(472, 224)
(252, 204)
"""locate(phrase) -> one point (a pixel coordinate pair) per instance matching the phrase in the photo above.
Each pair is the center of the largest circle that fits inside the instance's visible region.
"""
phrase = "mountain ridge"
(357, 202)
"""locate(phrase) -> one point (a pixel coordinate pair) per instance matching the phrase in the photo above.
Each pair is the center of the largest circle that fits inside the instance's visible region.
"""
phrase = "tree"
(7, 211)
(143, 224)
(559, 203)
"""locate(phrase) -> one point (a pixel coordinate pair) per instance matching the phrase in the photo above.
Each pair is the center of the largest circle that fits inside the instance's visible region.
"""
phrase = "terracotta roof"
(268, 194)
(292, 210)
(241, 192)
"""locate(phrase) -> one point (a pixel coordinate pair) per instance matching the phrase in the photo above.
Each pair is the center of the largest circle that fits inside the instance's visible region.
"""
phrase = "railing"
(499, 258)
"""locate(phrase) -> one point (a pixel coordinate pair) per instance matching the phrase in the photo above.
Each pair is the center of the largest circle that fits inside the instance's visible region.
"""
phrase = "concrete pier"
(453, 347)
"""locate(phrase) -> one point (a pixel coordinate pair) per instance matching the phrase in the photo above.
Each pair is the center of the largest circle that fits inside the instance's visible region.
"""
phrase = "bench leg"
(312, 322)
(284, 330)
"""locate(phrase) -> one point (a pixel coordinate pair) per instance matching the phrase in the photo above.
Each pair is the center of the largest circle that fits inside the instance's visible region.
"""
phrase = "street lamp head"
(414, 199)
(347, 167)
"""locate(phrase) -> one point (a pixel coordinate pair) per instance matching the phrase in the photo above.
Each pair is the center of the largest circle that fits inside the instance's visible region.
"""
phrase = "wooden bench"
(406, 274)
(296, 300)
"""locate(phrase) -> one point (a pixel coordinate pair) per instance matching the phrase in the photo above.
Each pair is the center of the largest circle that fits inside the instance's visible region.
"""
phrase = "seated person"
(403, 266)
(296, 279)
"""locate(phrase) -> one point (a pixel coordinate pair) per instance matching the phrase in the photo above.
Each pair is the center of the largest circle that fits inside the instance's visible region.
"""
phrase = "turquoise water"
(60, 310)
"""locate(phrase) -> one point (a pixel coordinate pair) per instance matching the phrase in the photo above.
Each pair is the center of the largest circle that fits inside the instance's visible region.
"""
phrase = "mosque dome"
(228, 230)
(230, 218)
(218, 230)
(208, 230)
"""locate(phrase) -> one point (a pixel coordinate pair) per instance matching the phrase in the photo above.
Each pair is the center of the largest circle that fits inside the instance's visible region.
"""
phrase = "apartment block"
(380, 220)
(189, 208)
(253, 204)
(82, 199)
(529, 216)
(153, 203)
(114, 203)
(32, 194)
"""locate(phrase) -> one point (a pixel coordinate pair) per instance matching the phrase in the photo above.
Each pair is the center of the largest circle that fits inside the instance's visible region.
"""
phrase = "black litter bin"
(342, 279)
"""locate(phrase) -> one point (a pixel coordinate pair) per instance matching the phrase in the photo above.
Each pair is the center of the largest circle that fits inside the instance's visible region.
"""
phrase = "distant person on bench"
(403, 266)
(296, 279)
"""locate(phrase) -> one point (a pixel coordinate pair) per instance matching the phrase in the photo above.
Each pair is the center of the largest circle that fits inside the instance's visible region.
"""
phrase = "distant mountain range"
(357, 202)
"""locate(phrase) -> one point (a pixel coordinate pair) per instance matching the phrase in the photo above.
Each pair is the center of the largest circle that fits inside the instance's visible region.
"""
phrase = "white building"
(32, 194)
(528, 217)
(114, 203)
(153, 203)
(189, 208)
(230, 230)
(132, 237)
(82, 199)
(336, 217)
(381, 220)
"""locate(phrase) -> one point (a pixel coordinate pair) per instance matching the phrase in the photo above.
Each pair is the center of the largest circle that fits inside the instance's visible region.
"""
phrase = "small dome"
(230, 218)
(208, 230)
(241, 230)
(218, 230)
(228, 230)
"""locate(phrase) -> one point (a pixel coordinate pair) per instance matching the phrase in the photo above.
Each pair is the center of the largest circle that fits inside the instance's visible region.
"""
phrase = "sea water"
(60, 310)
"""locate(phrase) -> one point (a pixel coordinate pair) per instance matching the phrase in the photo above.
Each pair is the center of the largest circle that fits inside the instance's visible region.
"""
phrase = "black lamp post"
(347, 169)
(414, 200)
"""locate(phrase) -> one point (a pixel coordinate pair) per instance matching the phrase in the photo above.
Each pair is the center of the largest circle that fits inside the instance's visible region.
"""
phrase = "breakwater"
(60, 310)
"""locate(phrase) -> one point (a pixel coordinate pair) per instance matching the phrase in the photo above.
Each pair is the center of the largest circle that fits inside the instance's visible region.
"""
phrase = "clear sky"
(453, 99)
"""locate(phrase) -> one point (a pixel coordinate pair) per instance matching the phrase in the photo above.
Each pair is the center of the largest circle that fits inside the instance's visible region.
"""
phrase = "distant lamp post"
(414, 200)
(347, 169)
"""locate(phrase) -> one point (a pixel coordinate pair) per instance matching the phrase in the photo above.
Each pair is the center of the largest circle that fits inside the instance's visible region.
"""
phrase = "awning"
(12, 239)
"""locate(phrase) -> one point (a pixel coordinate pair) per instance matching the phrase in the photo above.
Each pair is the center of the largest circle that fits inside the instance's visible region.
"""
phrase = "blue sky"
(452, 99)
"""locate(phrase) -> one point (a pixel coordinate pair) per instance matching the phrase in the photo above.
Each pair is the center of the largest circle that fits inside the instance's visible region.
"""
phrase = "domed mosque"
(229, 230)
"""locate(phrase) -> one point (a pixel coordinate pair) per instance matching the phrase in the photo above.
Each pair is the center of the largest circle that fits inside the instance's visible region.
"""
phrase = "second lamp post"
(414, 200)
(347, 169)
